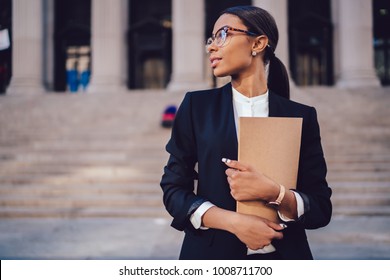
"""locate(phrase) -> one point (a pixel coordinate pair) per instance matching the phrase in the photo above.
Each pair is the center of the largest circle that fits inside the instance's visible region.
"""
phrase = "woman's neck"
(250, 87)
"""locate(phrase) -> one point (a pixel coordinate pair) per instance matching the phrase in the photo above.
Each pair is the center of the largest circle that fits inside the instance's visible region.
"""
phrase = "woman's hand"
(256, 232)
(253, 231)
(246, 183)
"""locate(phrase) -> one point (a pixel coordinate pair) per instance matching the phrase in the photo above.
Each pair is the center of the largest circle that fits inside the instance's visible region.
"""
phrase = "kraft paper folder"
(272, 146)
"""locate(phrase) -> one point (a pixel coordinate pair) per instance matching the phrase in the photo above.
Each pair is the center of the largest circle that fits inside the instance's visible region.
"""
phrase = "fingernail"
(226, 160)
(283, 226)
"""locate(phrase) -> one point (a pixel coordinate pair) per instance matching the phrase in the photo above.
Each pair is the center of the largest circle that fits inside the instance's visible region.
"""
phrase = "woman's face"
(234, 57)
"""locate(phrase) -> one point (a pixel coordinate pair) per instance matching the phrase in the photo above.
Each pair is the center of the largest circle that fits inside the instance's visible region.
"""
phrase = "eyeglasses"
(220, 36)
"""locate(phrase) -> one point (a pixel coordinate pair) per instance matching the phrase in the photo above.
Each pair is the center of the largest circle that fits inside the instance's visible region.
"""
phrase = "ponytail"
(278, 81)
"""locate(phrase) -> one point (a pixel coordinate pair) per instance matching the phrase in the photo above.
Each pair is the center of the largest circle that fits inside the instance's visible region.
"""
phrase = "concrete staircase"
(102, 155)
(361, 186)
(103, 158)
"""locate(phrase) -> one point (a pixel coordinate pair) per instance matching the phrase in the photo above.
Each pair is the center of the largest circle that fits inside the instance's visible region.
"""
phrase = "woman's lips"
(214, 61)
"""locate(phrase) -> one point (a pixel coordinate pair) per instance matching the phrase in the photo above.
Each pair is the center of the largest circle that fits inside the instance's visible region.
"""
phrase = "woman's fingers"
(275, 226)
(236, 164)
(257, 232)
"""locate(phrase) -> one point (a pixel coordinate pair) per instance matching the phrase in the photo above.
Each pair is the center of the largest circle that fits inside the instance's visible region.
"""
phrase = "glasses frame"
(225, 29)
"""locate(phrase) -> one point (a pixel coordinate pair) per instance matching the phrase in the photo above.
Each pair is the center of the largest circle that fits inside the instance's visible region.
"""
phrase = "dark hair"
(259, 21)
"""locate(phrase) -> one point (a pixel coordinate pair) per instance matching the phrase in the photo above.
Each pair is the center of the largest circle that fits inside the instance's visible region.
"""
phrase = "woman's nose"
(211, 47)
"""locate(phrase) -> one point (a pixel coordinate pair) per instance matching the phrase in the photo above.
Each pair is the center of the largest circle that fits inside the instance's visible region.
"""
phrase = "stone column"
(188, 18)
(27, 48)
(109, 59)
(354, 47)
(48, 31)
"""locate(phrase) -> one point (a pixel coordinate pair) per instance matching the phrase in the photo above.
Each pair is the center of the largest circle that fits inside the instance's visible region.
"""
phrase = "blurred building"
(130, 44)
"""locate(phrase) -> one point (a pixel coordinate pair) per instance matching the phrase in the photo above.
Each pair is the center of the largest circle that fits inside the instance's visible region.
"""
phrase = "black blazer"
(204, 132)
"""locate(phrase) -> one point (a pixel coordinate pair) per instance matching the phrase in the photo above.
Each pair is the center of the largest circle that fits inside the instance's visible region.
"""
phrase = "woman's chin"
(219, 74)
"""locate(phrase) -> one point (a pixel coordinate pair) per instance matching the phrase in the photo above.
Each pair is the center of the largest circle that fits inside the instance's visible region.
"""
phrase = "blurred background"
(83, 89)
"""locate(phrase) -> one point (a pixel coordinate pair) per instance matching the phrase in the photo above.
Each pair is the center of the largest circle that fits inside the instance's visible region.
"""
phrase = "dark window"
(310, 42)
(149, 44)
(72, 40)
(381, 10)
(5, 52)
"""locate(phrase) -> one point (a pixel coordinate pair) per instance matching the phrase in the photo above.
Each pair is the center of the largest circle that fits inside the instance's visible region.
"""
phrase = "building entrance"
(149, 44)
(72, 41)
(5, 44)
(310, 41)
(382, 39)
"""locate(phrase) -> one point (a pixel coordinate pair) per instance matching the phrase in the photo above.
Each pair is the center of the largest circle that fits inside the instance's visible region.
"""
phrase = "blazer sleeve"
(312, 184)
(179, 175)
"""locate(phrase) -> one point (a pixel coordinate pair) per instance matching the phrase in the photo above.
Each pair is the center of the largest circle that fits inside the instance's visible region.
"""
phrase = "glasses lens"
(220, 37)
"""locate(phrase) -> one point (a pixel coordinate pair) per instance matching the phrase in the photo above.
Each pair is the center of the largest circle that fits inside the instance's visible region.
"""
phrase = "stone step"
(88, 201)
(358, 199)
(120, 168)
(91, 175)
(90, 212)
(359, 167)
(361, 187)
(106, 141)
(47, 190)
(81, 201)
(362, 195)
(372, 210)
(80, 156)
(356, 158)
(94, 200)
(352, 176)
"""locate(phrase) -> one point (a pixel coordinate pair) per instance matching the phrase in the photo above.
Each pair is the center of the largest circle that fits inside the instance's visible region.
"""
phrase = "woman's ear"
(260, 44)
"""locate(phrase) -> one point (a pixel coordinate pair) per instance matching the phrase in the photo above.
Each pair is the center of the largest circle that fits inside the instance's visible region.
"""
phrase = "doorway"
(5, 44)
(149, 44)
(72, 41)
(311, 41)
(381, 9)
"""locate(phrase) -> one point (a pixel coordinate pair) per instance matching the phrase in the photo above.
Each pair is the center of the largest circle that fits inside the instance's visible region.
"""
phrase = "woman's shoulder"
(289, 104)
(209, 93)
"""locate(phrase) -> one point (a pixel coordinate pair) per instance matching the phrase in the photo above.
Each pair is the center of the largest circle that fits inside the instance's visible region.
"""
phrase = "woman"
(205, 134)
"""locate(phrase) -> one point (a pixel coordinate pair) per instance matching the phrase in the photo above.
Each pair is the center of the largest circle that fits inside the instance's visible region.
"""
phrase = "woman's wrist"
(273, 193)
(276, 202)
(232, 222)
(219, 218)
(288, 207)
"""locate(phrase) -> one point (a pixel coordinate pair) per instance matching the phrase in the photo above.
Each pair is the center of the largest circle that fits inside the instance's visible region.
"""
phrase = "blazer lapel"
(230, 144)
(274, 108)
